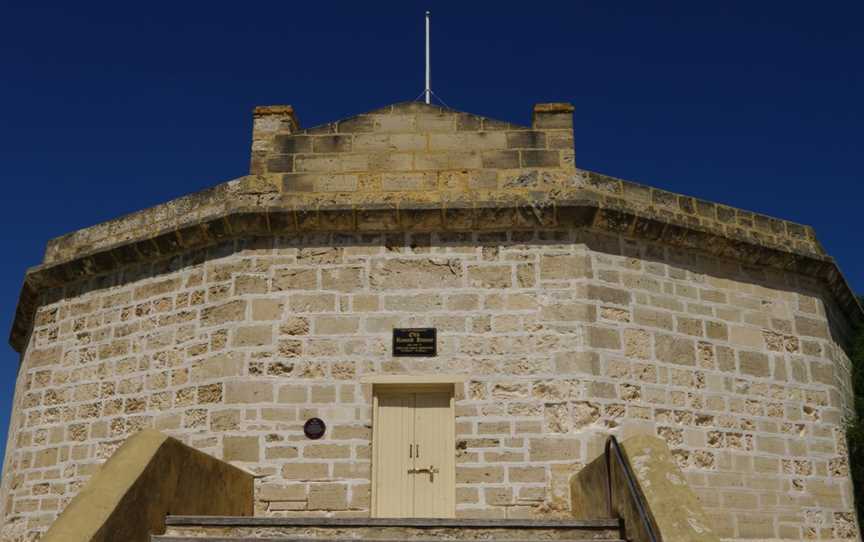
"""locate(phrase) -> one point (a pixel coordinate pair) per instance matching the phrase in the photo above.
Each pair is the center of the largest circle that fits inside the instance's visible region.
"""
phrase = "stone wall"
(566, 335)
(404, 147)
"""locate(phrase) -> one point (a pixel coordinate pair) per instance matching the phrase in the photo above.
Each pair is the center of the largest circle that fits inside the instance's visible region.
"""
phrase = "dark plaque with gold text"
(418, 342)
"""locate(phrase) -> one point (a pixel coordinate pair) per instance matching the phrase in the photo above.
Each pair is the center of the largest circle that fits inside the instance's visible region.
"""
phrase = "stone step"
(238, 529)
(256, 539)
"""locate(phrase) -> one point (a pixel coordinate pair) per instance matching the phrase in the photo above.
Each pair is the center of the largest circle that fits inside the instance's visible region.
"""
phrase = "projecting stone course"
(589, 340)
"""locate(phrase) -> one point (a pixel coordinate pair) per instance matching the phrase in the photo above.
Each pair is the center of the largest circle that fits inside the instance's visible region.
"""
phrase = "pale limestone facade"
(567, 330)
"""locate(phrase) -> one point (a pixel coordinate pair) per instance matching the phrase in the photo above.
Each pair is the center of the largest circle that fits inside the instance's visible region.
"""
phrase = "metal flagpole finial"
(428, 90)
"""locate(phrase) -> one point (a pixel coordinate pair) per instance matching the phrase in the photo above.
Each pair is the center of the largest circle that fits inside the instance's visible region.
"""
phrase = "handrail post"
(612, 446)
(606, 453)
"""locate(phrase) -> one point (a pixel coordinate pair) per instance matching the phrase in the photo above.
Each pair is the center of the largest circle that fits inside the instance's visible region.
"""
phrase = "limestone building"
(562, 306)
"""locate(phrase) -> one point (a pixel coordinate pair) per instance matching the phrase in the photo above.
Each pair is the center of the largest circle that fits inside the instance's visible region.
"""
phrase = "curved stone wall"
(566, 336)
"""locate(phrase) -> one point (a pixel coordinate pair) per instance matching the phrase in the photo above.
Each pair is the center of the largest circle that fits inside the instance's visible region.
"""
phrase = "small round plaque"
(314, 428)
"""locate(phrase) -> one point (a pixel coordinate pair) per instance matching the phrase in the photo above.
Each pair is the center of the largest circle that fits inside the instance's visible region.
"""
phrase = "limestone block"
(811, 327)
(716, 330)
(327, 496)
(331, 143)
(344, 279)
(564, 267)
(248, 392)
(608, 295)
(336, 325)
(600, 337)
(404, 273)
(294, 325)
(539, 158)
(292, 144)
(490, 276)
(552, 116)
(746, 336)
(569, 312)
(312, 303)
(652, 318)
(500, 159)
(754, 364)
(305, 471)
(153, 289)
(526, 474)
(637, 343)
(467, 475)
(554, 449)
(267, 309)
(585, 413)
(259, 335)
(394, 123)
(672, 349)
(295, 279)
(413, 303)
(356, 124)
(218, 366)
(250, 284)
(231, 311)
(689, 326)
(390, 142)
(526, 139)
(241, 448)
(327, 451)
(577, 363)
(461, 141)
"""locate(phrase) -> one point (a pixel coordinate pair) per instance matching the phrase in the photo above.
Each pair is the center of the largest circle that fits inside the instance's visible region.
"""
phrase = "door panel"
(394, 485)
(434, 492)
(414, 455)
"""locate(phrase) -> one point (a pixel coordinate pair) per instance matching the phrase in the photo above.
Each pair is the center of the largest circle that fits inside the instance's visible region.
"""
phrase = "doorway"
(413, 452)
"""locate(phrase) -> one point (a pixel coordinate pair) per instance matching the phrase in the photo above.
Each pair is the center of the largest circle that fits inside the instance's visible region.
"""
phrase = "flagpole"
(428, 90)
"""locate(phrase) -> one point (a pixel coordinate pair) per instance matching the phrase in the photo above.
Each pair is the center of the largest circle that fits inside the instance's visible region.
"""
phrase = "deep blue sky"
(107, 108)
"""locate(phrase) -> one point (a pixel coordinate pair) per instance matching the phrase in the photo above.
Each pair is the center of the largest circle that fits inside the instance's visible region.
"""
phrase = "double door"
(414, 455)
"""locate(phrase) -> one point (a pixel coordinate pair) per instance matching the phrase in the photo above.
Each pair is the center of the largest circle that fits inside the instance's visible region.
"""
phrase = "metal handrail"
(613, 446)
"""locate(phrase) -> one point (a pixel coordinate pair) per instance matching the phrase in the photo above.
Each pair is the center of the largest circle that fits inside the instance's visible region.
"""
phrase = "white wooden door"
(434, 461)
(414, 458)
(394, 433)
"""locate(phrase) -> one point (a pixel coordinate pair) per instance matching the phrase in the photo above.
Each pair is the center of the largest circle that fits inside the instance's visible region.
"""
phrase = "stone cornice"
(260, 205)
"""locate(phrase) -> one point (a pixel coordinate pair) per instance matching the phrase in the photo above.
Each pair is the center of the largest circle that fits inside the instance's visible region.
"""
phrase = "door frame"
(407, 384)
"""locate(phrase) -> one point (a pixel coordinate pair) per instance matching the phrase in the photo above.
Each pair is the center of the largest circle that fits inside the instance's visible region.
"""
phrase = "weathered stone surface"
(401, 274)
(328, 497)
(248, 392)
(553, 449)
(117, 501)
(564, 267)
(231, 311)
(597, 343)
(260, 335)
(673, 349)
(676, 512)
(241, 449)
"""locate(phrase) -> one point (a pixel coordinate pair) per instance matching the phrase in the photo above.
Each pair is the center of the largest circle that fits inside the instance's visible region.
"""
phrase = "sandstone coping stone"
(674, 508)
(149, 476)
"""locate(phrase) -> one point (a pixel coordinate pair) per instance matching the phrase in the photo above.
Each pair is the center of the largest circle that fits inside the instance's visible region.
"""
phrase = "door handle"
(432, 471)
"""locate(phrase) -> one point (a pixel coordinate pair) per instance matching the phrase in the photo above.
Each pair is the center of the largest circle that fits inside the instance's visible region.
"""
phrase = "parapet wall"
(405, 146)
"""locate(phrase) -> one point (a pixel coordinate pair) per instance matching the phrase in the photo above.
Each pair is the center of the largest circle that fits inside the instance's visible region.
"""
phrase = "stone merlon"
(412, 166)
